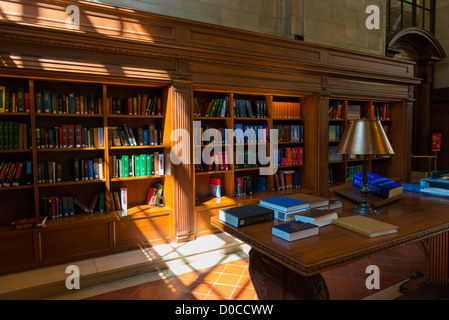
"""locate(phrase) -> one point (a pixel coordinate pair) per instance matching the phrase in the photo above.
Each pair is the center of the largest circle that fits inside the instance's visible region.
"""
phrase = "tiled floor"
(231, 280)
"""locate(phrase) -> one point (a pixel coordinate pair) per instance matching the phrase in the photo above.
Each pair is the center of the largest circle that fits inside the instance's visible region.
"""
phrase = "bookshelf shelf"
(16, 188)
(67, 115)
(69, 183)
(70, 149)
(135, 147)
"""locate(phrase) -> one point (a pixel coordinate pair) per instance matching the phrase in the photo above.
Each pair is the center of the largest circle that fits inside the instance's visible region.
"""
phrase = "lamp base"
(365, 210)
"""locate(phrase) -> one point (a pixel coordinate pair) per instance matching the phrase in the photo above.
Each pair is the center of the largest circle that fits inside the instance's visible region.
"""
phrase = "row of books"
(54, 207)
(251, 133)
(119, 200)
(335, 111)
(333, 155)
(244, 108)
(286, 110)
(140, 104)
(335, 132)
(69, 136)
(218, 161)
(14, 136)
(91, 169)
(51, 171)
(289, 156)
(144, 136)
(14, 174)
(287, 179)
(250, 158)
(142, 165)
(206, 135)
(382, 112)
(213, 108)
(290, 133)
(352, 170)
(70, 103)
(14, 100)
(353, 112)
(249, 185)
(155, 196)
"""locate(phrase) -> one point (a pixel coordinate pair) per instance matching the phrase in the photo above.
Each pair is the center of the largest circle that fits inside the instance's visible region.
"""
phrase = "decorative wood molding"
(182, 173)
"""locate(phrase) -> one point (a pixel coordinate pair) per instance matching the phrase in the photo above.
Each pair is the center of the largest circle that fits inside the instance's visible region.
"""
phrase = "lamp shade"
(364, 137)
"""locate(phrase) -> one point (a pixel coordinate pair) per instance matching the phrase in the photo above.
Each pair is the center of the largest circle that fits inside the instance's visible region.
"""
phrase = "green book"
(148, 165)
(1, 136)
(2, 99)
(125, 163)
(10, 135)
(143, 165)
(137, 166)
(15, 134)
(101, 202)
(20, 100)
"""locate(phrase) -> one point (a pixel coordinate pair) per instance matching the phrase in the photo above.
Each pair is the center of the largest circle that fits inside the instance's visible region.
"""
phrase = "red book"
(70, 135)
(28, 223)
(78, 140)
(151, 195)
(27, 102)
(64, 136)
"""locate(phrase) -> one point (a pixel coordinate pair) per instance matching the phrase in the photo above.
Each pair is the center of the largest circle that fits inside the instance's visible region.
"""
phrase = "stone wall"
(339, 23)
(442, 35)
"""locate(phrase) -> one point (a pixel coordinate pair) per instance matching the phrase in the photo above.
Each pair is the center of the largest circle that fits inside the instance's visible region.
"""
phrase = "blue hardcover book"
(284, 204)
(46, 101)
(146, 137)
(294, 230)
(260, 184)
(72, 102)
(90, 167)
(381, 186)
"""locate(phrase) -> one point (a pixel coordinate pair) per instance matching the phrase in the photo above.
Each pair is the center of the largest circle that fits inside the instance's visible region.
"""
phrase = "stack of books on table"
(304, 214)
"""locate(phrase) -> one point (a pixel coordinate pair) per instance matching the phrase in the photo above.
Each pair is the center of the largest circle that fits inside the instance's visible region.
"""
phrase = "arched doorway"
(421, 46)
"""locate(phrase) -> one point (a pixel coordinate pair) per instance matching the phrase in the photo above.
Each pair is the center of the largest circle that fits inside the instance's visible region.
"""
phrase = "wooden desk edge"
(329, 263)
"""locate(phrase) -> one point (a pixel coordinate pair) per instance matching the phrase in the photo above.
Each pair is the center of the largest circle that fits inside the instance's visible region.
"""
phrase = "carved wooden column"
(182, 173)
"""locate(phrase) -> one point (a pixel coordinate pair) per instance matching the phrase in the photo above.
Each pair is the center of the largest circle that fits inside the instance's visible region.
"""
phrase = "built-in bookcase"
(342, 168)
(261, 166)
(66, 148)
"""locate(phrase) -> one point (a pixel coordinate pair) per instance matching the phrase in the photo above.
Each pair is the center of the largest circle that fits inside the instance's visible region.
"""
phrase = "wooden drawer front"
(203, 219)
(71, 242)
(16, 251)
(128, 233)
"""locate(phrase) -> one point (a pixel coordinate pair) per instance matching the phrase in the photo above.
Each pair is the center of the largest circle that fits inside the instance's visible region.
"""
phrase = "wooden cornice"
(125, 32)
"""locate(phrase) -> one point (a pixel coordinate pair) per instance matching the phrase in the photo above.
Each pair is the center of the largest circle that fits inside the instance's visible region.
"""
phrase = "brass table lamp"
(365, 137)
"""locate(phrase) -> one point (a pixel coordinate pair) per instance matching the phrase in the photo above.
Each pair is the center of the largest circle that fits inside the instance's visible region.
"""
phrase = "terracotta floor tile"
(343, 283)
(342, 294)
(245, 282)
(341, 272)
(234, 269)
(243, 294)
(221, 290)
(147, 292)
(200, 287)
(208, 276)
(228, 279)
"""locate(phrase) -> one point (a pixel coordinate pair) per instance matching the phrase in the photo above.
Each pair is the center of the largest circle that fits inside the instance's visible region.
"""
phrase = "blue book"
(46, 101)
(378, 185)
(72, 102)
(284, 204)
(294, 230)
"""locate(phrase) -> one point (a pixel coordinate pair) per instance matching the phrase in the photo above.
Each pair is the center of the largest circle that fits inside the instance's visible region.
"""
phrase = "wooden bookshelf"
(342, 168)
(182, 63)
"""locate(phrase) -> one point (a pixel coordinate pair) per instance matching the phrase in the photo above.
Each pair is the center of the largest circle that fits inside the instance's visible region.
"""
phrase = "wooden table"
(292, 270)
